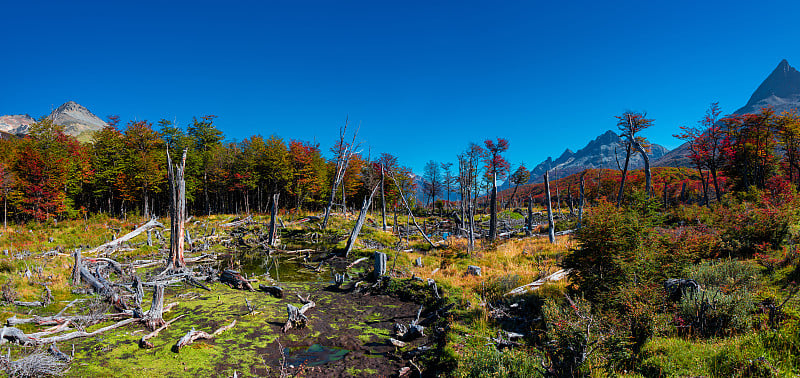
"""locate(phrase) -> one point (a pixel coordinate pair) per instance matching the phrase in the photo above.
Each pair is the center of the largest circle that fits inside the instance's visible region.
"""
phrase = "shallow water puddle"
(314, 355)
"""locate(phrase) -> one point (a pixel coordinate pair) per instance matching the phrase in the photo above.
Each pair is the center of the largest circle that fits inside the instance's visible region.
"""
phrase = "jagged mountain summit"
(780, 90)
(15, 124)
(75, 118)
(602, 152)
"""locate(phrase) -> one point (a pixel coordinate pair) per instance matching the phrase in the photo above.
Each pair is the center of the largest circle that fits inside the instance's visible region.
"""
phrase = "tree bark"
(624, 176)
(648, 186)
(551, 229)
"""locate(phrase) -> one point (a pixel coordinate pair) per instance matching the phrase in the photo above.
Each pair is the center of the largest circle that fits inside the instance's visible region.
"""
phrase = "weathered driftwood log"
(235, 280)
(15, 335)
(237, 223)
(275, 291)
(354, 263)
(351, 241)
(101, 287)
(143, 343)
(116, 242)
(296, 316)
(154, 318)
(193, 335)
(559, 275)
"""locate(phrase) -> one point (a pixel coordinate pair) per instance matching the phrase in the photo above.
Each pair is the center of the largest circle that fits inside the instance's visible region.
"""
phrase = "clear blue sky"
(423, 78)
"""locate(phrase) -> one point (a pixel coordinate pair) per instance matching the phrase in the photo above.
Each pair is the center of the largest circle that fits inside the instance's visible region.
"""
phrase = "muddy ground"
(355, 325)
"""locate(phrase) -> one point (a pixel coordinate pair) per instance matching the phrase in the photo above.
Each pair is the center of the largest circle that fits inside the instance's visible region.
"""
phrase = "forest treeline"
(49, 174)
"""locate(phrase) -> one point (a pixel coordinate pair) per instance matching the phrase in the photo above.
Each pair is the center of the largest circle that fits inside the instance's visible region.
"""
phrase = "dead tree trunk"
(273, 231)
(581, 200)
(551, 227)
(529, 220)
(76, 270)
(351, 241)
(380, 264)
(177, 210)
(154, 318)
(624, 175)
(493, 205)
(344, 153)
(410, 214)
(383, 199)
(138, 295)
(647, 177)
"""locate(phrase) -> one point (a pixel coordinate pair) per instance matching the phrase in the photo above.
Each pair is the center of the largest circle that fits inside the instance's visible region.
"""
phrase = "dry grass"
(529, 258)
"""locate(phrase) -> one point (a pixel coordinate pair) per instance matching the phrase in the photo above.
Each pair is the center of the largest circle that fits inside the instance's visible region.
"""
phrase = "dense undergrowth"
(612, 316)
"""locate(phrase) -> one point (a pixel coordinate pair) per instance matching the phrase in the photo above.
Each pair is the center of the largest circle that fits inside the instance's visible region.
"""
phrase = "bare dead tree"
(343, 154)
(581, 199)
(273, 231)
(177, 210)
(550, 223)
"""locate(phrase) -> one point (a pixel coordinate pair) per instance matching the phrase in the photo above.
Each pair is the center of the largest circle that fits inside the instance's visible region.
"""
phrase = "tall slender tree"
(630, 123)
(497, 168)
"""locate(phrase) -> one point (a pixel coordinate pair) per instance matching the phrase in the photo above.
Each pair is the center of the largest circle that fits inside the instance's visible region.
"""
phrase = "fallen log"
(116, 242)
(15, 335)
(193, 335)
(354, 263)
(235, 280)
(238, 222)
(275, 291)
(143, 343)
(561, 274)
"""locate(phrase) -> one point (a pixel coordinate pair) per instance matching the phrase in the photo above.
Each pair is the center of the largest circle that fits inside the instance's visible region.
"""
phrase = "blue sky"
(422, 78)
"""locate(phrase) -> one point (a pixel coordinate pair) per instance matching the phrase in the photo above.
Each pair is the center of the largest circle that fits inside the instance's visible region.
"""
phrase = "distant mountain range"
(76, 119)
(780, 90)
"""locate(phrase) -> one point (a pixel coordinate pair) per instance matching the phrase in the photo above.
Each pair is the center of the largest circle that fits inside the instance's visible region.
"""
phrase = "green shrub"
(724, 304)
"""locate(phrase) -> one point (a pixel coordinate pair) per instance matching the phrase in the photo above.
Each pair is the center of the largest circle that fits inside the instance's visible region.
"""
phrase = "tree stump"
(76, 269)
(154, 318)
(474, 270)
(380, 264)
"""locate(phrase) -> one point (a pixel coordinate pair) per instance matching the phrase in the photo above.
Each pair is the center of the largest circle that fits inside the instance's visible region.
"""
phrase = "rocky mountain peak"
(76, 118)
(780, 90)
